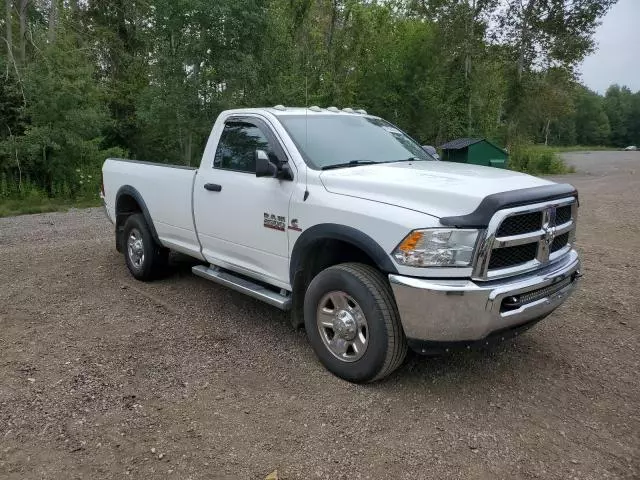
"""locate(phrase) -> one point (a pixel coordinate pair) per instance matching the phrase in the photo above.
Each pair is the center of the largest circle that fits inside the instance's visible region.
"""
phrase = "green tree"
(117, 29)
(618, 106)
(65, 120)
(633, 120)
(203, 60)
(542, 33)
(149, 76)
(592, 123)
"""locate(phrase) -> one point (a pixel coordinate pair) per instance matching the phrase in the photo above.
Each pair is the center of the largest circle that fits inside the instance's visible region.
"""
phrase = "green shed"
(478, 151)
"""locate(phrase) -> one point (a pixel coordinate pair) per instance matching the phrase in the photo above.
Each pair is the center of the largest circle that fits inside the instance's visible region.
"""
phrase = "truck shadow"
(482, 366)
(180, 265)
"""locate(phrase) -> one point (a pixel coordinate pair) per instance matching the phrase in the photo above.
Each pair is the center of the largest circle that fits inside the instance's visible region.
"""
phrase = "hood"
(440, 189)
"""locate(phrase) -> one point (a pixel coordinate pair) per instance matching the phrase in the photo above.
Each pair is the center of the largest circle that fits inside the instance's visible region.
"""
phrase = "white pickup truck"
(346, 221)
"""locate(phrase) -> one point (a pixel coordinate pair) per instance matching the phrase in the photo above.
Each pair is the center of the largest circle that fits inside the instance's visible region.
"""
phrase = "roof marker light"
(333, 109)
(348, 110)
(315, 108)
(361, 111)
(280, 107)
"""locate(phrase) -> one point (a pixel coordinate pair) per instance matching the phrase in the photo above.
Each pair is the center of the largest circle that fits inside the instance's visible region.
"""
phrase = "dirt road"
(105, 377)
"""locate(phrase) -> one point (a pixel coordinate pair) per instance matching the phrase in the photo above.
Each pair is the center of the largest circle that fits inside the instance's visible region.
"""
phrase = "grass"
(577, 148)
(30, 205)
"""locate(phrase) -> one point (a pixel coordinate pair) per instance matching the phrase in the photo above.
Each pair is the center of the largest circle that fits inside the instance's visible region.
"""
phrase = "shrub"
(537, 160)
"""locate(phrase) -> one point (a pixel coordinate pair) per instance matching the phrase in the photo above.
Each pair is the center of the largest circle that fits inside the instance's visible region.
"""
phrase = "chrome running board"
(243, 285)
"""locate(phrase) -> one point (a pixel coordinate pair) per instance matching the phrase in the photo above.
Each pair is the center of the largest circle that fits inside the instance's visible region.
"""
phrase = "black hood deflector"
(481, 216)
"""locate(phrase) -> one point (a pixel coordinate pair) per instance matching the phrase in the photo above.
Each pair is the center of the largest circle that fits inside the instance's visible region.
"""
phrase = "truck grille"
(559, 242)
(563, 214)
(524, 238)
(510, 256)
(519, 224)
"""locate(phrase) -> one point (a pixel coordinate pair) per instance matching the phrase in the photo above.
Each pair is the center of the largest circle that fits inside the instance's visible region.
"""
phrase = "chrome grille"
(559, 242)
(519, 224)
(563, 214)
(524, 238)
(510, 256)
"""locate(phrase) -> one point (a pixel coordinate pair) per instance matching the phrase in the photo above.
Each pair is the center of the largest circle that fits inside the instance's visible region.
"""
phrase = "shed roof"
(460, 143)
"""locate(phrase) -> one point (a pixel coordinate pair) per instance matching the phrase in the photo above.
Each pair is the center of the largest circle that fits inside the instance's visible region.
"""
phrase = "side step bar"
(243, 285)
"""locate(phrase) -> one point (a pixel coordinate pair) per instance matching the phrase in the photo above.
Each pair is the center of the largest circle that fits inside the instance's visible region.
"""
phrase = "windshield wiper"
(352, 163)
(355, 163)
(411, 159)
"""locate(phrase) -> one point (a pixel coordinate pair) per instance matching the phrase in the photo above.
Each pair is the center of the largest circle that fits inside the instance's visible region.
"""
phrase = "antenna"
(306, 119)
(306, 108)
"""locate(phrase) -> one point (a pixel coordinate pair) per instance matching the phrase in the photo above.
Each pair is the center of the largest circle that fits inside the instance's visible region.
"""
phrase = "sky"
(617, 58)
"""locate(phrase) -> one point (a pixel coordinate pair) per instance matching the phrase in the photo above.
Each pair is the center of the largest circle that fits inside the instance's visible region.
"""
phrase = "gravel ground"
(103, 377)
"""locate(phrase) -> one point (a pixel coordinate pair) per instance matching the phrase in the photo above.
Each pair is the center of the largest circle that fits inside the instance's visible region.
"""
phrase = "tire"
(339, 296)
(145, 259)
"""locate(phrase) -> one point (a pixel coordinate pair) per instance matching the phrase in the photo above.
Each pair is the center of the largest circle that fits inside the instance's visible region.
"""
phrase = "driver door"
(242, 219)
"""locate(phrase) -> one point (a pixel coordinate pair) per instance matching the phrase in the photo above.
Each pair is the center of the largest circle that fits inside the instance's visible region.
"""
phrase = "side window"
(237, 146)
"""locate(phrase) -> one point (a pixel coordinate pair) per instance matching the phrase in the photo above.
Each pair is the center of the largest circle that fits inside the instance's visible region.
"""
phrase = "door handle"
(213, 187)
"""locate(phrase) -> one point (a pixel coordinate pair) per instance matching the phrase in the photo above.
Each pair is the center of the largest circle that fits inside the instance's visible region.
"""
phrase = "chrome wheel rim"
(342, 326)
(135, 248)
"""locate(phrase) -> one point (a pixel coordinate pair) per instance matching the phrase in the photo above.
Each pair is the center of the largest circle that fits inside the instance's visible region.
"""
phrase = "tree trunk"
(546, 132)
(524, 38)
(23, 29)
(180, 138)
(9, 23)
(189, 148)
(469, 115)
(467, 62)
(53, 20)
(469, 40)
(332, 24)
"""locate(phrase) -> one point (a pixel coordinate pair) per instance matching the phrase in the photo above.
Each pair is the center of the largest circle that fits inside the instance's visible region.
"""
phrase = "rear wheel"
(353, 324)
(145, 259)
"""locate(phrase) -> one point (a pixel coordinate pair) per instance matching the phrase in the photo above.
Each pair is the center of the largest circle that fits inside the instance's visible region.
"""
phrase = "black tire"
(386, 343)
(155, 258)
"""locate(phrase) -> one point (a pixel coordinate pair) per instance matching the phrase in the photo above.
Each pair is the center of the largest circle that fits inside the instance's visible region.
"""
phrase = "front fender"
(333, 231)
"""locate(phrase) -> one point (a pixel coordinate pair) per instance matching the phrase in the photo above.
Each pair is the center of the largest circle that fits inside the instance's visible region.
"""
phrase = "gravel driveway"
(105, 377)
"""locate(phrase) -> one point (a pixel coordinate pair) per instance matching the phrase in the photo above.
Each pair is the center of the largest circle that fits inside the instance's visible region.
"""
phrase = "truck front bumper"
(441, 314)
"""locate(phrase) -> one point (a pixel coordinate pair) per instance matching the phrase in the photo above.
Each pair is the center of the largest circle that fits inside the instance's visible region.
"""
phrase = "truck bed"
(167, 191)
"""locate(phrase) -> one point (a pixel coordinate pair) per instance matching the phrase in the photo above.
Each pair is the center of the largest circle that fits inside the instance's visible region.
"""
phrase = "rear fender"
(122, 213)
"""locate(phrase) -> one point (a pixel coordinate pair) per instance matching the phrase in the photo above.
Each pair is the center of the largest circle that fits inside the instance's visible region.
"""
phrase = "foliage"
(537, 160)
(146, 78)
(622, 109)
(61, 139)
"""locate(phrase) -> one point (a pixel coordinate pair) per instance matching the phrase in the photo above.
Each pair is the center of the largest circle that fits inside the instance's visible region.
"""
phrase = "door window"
(238, 143)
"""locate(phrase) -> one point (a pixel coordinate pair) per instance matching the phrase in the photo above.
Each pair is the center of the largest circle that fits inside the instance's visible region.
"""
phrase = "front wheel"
(353, 324)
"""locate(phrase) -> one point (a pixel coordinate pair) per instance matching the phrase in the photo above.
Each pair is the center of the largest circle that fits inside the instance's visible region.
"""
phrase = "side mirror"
(267, 166)
(431, 151)
(264, 166)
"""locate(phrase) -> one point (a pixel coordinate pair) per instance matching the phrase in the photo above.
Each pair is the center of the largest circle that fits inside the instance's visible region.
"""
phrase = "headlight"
(437, 248)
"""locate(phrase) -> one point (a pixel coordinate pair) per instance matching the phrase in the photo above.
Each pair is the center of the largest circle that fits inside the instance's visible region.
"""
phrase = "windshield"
(326, 140)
